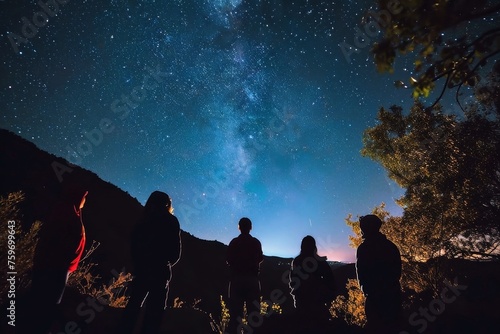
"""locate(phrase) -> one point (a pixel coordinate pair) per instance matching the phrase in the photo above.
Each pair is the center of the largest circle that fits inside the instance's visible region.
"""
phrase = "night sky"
(234, 108)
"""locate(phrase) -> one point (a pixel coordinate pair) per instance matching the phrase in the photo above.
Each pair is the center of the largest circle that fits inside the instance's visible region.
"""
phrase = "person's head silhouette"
(369, 224)
(308, 246)
(157, 202)
(245, 225)
(74, 193)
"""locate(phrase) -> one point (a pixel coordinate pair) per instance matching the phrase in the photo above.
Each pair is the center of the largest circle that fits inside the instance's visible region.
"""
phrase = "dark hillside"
(201, 275)
(109, 215)
(109, 212)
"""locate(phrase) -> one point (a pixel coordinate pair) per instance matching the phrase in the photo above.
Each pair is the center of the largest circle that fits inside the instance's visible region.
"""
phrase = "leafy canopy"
(448, 39)
(450, 169)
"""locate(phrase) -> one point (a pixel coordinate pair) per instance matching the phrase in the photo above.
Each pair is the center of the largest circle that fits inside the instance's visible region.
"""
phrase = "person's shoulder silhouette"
(378, 268)
(378, 260)
(156, 248)
(311, 285)
(62, 236)
(57, 254)
(156, 237)
(244, 255)
(311, 278)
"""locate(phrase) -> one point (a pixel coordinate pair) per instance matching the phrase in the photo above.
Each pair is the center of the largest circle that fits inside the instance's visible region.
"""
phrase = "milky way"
(235, 108)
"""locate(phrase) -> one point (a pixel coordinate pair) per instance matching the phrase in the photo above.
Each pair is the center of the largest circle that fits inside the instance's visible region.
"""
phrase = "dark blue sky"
(235, 108)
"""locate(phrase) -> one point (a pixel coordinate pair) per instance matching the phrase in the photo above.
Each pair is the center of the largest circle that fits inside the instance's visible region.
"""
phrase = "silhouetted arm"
(327, 289)
(179, 252)
(178, 244)
(362, 269)
(396, 263)
(292, 279)
(327, 274)
(260, 256)
(230, 256)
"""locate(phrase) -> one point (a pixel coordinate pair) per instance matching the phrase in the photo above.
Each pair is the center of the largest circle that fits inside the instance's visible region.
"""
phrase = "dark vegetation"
(200, 278)
(446, 155)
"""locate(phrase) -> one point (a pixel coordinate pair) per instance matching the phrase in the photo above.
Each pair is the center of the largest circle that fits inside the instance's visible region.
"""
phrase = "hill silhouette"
(201, 276)
(110, 213)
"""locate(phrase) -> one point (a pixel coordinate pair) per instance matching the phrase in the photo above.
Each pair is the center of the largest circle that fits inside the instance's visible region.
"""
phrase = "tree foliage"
(417, 276)
(448, 163)
(450, 169)
(450, 40)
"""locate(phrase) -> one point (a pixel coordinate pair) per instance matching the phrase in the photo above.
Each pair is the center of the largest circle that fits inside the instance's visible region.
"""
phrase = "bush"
(87, 283)
(350, 309)
(19, 258)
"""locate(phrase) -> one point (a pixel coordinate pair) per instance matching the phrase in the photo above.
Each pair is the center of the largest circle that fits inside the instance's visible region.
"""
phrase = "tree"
(417, 276)
(451, 40)
(450, 169)
(447, 162)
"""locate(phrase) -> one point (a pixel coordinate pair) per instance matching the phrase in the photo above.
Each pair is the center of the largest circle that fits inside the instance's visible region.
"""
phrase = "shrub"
(350, 309)
(23, 246)
(88, 283)
(265, 308)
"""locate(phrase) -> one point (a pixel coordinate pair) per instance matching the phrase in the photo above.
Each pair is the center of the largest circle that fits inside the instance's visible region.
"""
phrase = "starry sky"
(233, 107)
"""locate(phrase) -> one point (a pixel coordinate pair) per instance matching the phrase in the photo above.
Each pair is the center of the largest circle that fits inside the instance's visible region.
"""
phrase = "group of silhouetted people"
(311, 281)
(156, 248)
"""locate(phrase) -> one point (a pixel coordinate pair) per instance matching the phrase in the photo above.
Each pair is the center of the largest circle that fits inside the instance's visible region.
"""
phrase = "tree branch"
(495, 256)
(470, 75)
(442, 92)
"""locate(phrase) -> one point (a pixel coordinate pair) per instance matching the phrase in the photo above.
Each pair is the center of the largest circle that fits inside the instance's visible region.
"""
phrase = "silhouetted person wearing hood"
(312, 285)
(244, 256)
(57, 254)
(378, 267)
(156, 248)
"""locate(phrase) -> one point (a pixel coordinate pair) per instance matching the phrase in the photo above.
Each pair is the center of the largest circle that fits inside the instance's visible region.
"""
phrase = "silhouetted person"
(155, 248)
(244, 256)
(312, 285)
(58, 251)
(378, 267)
